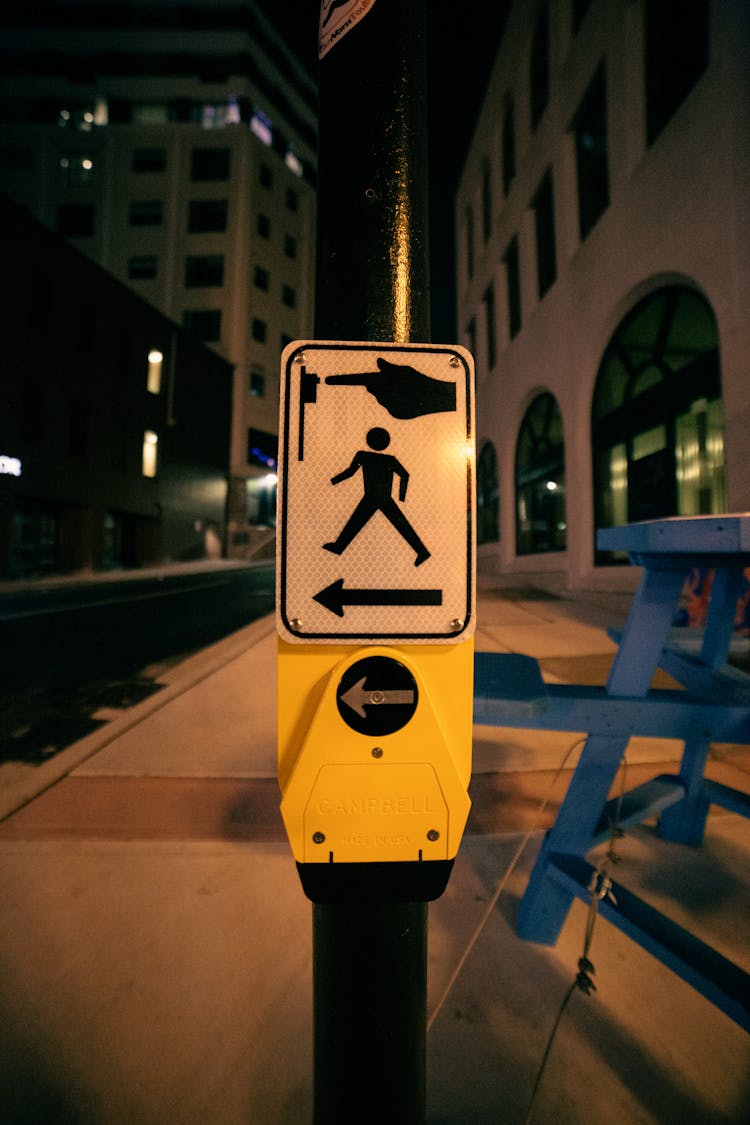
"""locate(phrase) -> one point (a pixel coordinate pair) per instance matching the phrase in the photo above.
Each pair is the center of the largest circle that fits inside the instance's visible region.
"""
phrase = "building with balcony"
(603, 242)
(175, 145)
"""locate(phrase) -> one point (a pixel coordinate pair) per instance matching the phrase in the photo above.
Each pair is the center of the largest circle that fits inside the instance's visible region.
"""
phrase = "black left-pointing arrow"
(335, 597)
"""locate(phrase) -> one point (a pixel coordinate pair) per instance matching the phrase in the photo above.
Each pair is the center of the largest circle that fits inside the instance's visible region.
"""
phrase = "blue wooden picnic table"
(712, 705)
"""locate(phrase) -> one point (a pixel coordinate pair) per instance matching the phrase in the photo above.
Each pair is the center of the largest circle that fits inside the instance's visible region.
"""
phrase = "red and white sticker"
(337, 17)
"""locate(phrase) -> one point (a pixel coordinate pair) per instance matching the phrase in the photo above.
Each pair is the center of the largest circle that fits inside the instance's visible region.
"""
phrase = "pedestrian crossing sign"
(375, 527)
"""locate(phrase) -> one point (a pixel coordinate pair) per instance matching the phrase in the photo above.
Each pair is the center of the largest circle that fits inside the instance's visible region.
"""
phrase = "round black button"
(377, 695)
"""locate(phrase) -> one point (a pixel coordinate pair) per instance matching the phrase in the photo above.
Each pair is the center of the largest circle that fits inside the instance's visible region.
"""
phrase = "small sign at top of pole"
(337, 17)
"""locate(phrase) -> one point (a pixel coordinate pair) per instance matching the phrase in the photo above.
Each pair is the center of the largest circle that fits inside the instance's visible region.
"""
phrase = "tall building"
(175, 144)
(603, 277)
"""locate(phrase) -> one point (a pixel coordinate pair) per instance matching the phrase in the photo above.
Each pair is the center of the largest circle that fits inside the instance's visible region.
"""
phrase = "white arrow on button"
(358, 698)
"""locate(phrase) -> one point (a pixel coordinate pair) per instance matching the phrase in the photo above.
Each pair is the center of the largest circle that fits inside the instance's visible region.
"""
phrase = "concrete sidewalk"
(155, 953)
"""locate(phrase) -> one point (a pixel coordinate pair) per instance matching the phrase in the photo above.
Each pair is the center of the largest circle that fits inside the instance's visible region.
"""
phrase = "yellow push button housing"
(375, 751)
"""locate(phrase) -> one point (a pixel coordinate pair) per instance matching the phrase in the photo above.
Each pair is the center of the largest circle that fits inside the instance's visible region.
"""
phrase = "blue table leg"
(685, 821)
(545, 904)
(726, 589)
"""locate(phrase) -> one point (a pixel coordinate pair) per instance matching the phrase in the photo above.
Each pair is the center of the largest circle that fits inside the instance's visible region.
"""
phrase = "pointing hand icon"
(402, 390)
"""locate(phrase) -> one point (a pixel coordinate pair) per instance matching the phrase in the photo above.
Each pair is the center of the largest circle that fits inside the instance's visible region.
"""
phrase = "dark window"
(124, 352)
(469, 233)
(261, 278)
(676, 56)
(657, 432)
(146, 213)
(209, 164)
(513, 284)
(590, 127)
(488, 300)
(203, 270)
(75, 220)
(539, 68)
(544, 220)
(540, 479)
(290, 246)
(471, 335)
(508, 147)
(488, 496)
(257, 384)
(207, 215)
(265, 175)
(32, 412)
(149, 160)
(78, 428)
(84, 329)
(578, 13)
(486, 200)
(259, 330)
(40, 301)
(288, 296)
(203, 323)
(284, 339)
(262, 448)
(264, 226)
(143, 268)
(292, 199)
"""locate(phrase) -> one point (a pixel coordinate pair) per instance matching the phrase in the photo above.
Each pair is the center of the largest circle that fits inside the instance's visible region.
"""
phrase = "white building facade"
(176, 145)
(603, 277)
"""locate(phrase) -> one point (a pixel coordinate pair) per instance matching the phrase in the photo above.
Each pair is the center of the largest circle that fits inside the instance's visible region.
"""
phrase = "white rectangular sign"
(375, 530)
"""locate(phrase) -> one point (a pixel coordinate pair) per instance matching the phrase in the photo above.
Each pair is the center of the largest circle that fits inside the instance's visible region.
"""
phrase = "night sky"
(462, 42)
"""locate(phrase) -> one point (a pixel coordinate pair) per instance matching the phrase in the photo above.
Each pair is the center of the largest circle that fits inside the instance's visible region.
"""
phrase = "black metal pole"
(370, 958)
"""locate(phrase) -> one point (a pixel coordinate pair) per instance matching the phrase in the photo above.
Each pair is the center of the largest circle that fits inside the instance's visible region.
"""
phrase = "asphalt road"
(70, 650)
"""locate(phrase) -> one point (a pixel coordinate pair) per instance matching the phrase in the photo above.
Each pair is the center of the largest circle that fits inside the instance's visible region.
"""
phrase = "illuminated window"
(150, 453)
(260, 125)
(293, 163)
(540, 479)
(76, 169)
(657, 431)
(153, 379)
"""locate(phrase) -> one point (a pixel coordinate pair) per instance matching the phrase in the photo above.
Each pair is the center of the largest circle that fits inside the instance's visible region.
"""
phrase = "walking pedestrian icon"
(378, 472)
(376, 488)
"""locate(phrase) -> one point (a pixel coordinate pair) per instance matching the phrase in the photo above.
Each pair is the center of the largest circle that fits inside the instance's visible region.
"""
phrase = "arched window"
(488, 496)
(657, 434)
(540, 479)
